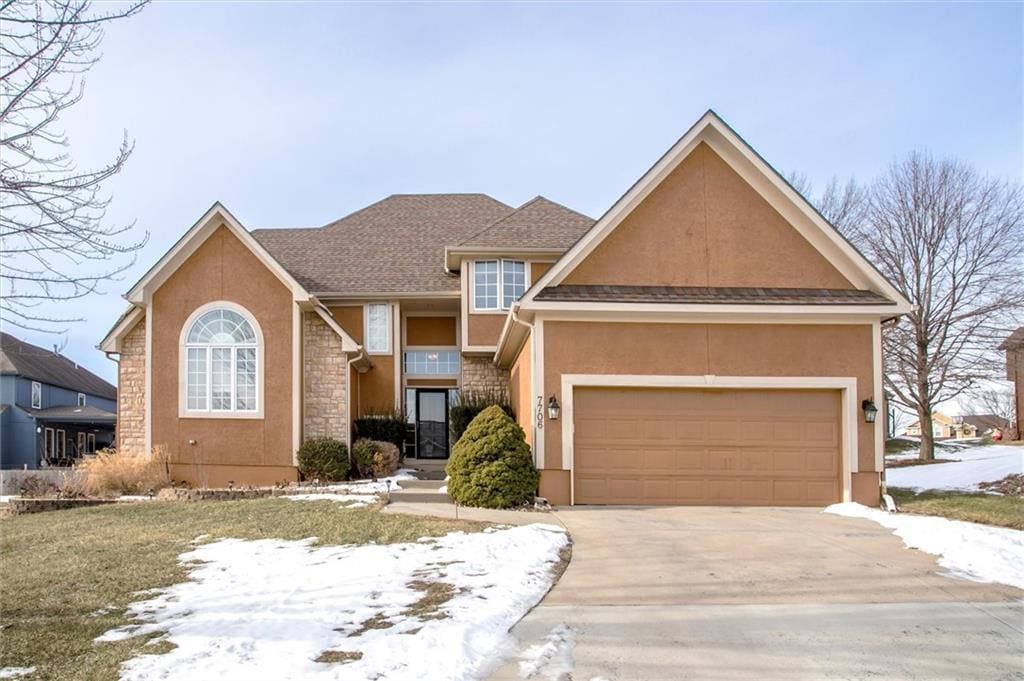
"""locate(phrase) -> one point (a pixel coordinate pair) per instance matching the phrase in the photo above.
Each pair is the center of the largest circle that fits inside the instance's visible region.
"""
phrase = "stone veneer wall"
(325, 381)
(131, 391)
(479, 374)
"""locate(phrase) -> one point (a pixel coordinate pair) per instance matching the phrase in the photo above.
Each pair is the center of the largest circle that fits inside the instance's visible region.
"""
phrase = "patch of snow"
(15, 672)
(443, 489)
(4, 498)
(969, 550)
(134, 497)
(975, 465)
(552, 659)
(269, 608)
(350, 500)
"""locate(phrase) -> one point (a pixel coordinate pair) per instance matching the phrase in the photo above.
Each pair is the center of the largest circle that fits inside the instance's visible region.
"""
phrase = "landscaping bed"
(71, 582)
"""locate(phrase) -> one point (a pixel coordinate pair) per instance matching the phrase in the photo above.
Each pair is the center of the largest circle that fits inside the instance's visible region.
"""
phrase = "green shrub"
(385, 426)
(491, 465)
(472, 403)
(362, 457)
(323, 458)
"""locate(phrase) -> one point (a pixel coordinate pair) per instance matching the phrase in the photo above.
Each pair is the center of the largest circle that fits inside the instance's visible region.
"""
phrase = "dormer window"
(81, 399)
(37, 395)
(497, 284)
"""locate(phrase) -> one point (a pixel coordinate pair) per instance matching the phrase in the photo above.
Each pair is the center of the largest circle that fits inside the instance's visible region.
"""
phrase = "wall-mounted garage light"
(870, 410)
(554, 409)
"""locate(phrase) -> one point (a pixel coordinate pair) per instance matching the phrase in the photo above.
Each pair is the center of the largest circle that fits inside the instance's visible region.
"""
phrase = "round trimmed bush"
(374, 457)
(491, 465)
(323, 458)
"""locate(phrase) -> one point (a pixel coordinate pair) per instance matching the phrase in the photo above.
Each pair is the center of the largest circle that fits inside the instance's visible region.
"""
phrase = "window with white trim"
(48, 450)
(497, 284)
(433, 362)
(378, 328)
(91, 444)
(81, 399)
(62, 445)
(221, 363)
(37, 395)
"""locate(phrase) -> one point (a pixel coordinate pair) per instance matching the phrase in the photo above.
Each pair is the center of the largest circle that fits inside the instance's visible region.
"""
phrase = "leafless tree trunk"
(953, 242)
(55, 243)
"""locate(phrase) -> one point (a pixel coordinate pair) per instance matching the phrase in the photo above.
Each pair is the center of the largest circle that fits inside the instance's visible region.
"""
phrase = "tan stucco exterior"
(374, 390)
(783, 350)
(520, 392)
(483, 330)
(224, 269)
(704, 226)
(430, 331)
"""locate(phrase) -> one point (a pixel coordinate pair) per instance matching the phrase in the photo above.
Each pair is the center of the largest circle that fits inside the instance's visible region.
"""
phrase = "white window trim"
(183, 346)
(431, 348)
(37, 392)
(61, 443)
(500, 306)
(49, 438)
(81, 399)
(90, 444)
(366, 329)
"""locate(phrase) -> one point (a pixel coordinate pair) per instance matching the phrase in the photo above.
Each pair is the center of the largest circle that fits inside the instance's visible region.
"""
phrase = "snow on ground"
(15, 672)
(974, 465)
(269, 608)
(969, 550)
(357, 494)
(350, 500)
(551, 660)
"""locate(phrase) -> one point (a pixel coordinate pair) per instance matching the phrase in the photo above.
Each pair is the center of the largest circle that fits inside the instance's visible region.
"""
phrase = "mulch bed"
(1011, 486)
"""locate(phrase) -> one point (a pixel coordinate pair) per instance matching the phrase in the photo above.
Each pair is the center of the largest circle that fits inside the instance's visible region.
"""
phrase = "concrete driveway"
(761, 593)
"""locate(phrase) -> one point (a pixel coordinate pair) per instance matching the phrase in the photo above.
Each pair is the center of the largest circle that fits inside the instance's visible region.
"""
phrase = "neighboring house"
(987, 425)
(1014, 347)
(52, 411)
(711, 339)
(957, 427)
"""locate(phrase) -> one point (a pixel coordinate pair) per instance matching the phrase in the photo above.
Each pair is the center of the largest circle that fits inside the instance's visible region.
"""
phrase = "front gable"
(713, 214)
(704, 225)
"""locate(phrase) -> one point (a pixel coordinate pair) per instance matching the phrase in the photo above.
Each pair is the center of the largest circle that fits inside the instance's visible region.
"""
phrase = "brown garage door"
(686, 446)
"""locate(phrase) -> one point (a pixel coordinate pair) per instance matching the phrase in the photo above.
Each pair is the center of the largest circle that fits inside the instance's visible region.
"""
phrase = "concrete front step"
(420, 496)
(423, 483)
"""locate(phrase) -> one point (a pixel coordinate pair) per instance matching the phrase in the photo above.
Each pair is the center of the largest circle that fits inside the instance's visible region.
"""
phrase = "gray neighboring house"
(52, 411)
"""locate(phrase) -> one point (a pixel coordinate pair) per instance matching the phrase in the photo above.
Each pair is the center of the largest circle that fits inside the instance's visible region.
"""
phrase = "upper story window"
(37, 395)
(81, 399)
(378, 328)
(498, 283)
(221, 363)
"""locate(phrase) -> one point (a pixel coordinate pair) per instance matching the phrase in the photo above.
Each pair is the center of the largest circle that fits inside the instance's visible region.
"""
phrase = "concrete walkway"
(747, 593)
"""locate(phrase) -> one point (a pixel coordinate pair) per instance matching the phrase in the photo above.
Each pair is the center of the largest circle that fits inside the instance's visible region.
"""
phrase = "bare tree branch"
(54, 238)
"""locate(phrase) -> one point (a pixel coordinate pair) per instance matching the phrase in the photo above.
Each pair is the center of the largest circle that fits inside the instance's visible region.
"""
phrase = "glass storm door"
(432, 424)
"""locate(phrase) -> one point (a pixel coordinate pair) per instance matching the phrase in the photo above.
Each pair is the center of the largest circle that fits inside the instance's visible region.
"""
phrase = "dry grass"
(67, 576)
(111, 473)
(339, 656)
(988, 509)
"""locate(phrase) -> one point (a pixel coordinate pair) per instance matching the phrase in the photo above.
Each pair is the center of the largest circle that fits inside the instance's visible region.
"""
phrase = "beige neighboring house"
(956, 427)
(711, 339)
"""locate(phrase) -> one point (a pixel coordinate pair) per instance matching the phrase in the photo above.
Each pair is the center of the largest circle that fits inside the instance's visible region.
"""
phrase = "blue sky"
(296, 114)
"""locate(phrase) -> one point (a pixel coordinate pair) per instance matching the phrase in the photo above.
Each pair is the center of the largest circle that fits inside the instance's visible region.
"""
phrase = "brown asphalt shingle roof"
(393, 246)
(700, 294)
(19, 358)
(397, 245)
(538, 223)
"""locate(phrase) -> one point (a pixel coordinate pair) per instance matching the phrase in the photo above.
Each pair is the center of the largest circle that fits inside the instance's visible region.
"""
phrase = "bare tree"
(999, 403)
(844, 205)
(55, 241)
(953, 242)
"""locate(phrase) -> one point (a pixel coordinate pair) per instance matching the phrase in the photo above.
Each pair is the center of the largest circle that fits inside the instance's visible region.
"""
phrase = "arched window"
(221, 361)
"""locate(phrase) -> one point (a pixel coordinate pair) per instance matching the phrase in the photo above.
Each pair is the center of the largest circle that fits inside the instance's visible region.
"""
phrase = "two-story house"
(52, 411)
(710, 339)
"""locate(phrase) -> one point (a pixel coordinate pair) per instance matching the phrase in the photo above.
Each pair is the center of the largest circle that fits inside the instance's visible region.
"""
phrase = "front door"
(432, 424)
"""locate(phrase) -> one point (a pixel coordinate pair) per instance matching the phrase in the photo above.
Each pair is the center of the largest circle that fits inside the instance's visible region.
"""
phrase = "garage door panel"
(691, 446)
